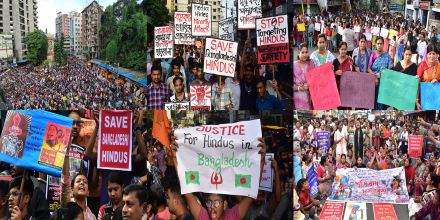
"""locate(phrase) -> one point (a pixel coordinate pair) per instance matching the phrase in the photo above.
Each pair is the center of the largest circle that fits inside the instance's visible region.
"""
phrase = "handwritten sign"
(430, 95)
(200, 97)
(375, 31)
(322, 87)
(323, 141)
(355, 210)
(220, 57)
(384, 211)
(182, 28)
(415, 144)
(248, 11)
(317, 26)
(358, 90)
(114, 146)
(53, 192)
(272, 40)
(179, 106)
(221, 159)
(301, 27)
(226, 29)
(201, 20)
(357, 29)
(384, 32)
(392, 34)
(266, 182)
(398, 90)
(163, 42)
(332, 211)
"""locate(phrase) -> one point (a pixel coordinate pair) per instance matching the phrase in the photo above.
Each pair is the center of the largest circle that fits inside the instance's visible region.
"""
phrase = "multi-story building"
(75, 20)
(17, 18)
(91, 23)
(182, 5)
(62, 29)
(428, 12)
(6, 47)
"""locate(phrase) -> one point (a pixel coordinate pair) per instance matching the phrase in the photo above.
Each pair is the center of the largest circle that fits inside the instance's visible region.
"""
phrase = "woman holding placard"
(429, 70)
(301, 96)
(342, 63)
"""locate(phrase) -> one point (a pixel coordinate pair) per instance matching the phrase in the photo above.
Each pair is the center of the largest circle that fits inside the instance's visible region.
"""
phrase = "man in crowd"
(158, 93)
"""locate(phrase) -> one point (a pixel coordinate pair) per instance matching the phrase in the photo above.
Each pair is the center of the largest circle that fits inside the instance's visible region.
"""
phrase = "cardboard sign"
(375, 31)
(201, 20)
(221, 159)
(398, 90)
(272, 40)
(114, 146)
(384, 32)
(301, 27)
(340, 30)
(35, 140)
(384, 211)
(323, 141)
(179, 106)
(200, 97)
(220, 57)
(163, 42)
(357, 29)
(357, 90)
(368, 36)
(355, 210)
(248, 11)
(322, 87)
(332, 211)
(317, 26)
(53, 192)
(392, 34)
(182, 28)
(430, 95)
(226, 29)
(415, 144)
(266, 182)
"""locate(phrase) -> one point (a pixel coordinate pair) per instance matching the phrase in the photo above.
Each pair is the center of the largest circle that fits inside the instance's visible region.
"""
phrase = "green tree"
(156, 9)
(60, 55)
(36, 43)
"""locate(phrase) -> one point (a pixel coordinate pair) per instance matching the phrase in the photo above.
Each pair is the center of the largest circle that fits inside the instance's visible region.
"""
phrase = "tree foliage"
(60, 55)
(36, 43)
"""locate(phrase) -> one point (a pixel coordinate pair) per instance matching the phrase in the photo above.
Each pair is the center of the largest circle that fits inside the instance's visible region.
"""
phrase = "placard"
(322, 87)
(53, 192)
(301, 27)
(200, 97)
(317, 26)
(355, 210)
(415, 144)
(248, 11)
(312, 178)
(226, 29)
(375, 31)
(332, 211)
(182, 28)
(201, 20)
(384, 32)
(368, 36)
(266, 182)
(357, 90)
(393, 33)
(398, 90)
(163, 42)
(323, 141)
(384, 211)
(357, 29)
(220, 57)
(221, 159)
(179, 106)
(272, 40)
(430, 95)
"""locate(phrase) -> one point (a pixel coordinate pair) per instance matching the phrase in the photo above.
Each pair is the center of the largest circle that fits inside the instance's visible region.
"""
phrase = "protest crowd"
(150, 188)
(386, 48)
(380, 142)
(73, 86)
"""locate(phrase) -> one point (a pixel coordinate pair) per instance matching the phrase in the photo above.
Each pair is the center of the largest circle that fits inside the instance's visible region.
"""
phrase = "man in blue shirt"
(265, 101)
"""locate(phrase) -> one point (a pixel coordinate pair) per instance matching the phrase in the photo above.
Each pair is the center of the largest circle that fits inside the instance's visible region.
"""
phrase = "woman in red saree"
(342, 63)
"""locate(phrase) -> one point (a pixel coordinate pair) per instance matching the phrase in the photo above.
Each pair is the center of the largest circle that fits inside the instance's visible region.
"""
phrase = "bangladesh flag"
(242, 181)
(192, 177)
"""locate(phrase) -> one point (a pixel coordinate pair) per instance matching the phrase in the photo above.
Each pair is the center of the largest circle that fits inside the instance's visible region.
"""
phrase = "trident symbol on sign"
(216, 179)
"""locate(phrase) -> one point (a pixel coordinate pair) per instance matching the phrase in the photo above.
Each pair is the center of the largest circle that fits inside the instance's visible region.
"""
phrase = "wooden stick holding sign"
(25, 174)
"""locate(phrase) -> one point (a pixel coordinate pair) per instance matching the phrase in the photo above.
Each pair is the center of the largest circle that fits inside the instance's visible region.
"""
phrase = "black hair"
(323, 159)
(362, 36)
(115, 177)
(301, 46)
(435, 179)
(177, 78)
(69, 211)
(261, 80)
(139, 191)
(199, 66)
(322, 36)
(300, 184)
(341, 44)
(249, 66)
(4, 185)
(176, 62)
(433, 48)
(156, 68)
(343, 155)
(380, 38)
(72, 182)
(407, 48)
(28, 187)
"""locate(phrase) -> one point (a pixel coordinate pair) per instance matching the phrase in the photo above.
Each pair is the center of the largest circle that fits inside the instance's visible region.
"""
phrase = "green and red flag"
(192, 177)
(242, 180)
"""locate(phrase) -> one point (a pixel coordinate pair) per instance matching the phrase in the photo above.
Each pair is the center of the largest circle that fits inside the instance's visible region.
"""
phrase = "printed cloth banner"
(182, 28)
(358, 90)
(200, 97)
(430, 95)
(322, 87)
(248, 11)
(163, 42)
(323, 141)
(312, 178)
(115, 140)
(226, 29)
(266, 182)
(220, 57)
(272, 40)
(35, 140)
(398, 90)
(415, 144)
(367, 185)
(53, 192)
(222, 159)
(201, 20)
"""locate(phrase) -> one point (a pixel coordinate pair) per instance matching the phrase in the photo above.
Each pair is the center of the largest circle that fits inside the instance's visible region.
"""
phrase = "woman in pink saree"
(301, 95)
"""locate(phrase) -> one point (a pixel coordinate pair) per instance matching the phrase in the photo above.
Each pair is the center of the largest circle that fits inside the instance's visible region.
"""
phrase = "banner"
(226, 29)
(323, 141)
(222, 159)
(220, 57)
(430, 95)
(115, 143)
(322, 87)
(415, 144)
(367, 185)
(201, 20)
(53, 192)
(179, 106)
(248, 11)
(398, 90)
(358, 90)
(312, 178)
(182, 28)
(384, 211)
(200, 97)
(332, 211)
(301, 27)
(163, 42)
(266, 182)
(272, 40)
(35, 140)
(355, 210)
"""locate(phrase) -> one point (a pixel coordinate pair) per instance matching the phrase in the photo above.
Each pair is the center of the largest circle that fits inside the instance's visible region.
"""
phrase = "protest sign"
(430, 95)
(317, 26)
(76, 155)
(179, 106)
(368, 36)
(323, 141)
(43, 147)
(384, 32)
(398, 90)
(415, 144)
(371, 117)
(355, 210)
(182, 28)
(222, 159)
(114, 146)
(375, 31)
(200, 97)
(201, 20)
(226, 29)
(272, 40)
(163, 42)
(322, 87)
(367, 185)
(312, 178)
(392, 34)
(220, 57)
(53, 192)
(357, 29)
(384, 211)
(266, 182)
(332, 211)
(357, 90)
(301, 27)
(248, 11)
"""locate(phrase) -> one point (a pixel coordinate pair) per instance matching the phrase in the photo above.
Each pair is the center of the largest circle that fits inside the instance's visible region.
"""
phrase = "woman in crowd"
(301, 96)
(325, 173)
(406, 65)
(342, 63)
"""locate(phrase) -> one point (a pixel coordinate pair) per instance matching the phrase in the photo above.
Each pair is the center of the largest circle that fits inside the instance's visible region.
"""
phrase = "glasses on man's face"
(216, 203)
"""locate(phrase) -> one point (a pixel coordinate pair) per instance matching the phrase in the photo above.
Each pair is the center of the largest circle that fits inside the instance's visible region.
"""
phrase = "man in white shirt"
(340, 141)
(348, 37)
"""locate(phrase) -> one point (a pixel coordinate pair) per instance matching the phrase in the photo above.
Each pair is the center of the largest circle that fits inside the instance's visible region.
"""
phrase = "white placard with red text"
(163, 42)
(220, 57)
(182, 28)
(248, 11)
(201, 20)
(273, 40)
